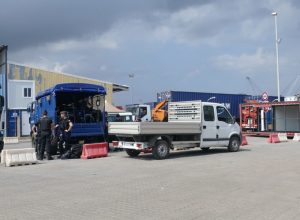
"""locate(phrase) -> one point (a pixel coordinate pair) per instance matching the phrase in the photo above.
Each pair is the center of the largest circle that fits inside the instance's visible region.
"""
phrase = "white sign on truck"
(190, 124)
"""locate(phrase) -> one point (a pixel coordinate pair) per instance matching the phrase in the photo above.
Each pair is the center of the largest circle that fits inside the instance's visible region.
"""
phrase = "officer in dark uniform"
(65, 127)
(45, 125)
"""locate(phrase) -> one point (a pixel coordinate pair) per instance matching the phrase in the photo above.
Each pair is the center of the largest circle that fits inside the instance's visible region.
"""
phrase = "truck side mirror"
(233, 119)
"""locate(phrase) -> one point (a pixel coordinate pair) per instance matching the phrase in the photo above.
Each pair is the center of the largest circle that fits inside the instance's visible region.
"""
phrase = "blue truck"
(84, 103)
(2, 125)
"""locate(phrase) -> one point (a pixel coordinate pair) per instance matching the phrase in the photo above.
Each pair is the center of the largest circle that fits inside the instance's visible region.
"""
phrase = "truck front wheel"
(132, 152)
(161, 150)
(234, 144)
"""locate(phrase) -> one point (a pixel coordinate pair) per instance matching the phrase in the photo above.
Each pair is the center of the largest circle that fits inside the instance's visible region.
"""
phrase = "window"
(209, 114)
(27, 93)
(224, 115)
(82, 107)
(143, 111)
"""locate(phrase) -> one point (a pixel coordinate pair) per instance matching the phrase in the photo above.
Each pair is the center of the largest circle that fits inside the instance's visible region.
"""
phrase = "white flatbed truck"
(190, 124)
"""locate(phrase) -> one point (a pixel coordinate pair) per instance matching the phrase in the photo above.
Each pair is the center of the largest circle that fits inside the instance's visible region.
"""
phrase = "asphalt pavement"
(262, 181)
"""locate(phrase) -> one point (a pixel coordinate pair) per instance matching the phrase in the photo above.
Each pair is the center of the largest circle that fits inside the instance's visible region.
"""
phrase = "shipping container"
(231, 101)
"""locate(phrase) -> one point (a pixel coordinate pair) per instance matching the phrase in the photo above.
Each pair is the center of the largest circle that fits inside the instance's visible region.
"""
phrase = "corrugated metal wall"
(45, 79)
(231, 101)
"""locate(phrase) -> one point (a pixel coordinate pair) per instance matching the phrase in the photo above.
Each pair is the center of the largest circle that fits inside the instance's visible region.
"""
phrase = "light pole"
(131, 76)
(277, 56)
(211, 98)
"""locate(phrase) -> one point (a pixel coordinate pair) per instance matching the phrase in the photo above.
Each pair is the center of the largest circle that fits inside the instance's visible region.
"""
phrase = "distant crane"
(255, 88)
(293, 87)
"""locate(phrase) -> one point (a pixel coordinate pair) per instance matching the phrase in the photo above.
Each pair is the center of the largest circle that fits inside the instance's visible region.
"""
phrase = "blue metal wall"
(12, 122)
(231, 101)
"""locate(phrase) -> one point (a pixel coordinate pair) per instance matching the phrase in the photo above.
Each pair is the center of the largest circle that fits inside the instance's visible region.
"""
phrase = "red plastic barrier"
(94, 150)
(244, 140)
(273, 138)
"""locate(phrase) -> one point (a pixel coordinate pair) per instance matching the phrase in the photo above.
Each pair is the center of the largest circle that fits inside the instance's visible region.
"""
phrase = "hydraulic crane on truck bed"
(158, 113)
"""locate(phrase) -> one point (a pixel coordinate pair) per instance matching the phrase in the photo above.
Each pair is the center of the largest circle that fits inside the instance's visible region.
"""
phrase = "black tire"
(205, 148)
(234, 144)
(161, 150)
(132, 152)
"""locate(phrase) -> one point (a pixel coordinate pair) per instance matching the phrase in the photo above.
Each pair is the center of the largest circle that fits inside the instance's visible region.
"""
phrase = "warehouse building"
(24, 82)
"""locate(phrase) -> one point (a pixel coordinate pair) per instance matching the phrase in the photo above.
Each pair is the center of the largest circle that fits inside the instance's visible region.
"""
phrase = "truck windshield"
(81, 107)
(134, 110)
(137, 111)
(224, 115)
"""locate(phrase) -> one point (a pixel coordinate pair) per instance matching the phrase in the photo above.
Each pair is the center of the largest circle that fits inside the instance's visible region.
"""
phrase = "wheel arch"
(236, 135)
(166, 138)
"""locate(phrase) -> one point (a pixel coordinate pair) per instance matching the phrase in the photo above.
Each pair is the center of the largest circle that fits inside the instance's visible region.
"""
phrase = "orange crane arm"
(160, 105)
(158, 114)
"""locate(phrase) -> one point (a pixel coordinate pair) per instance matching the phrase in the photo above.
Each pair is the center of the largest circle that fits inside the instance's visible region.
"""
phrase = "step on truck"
(190, 124)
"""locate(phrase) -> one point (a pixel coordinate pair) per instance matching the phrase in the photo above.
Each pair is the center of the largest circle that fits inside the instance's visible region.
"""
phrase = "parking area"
(262, 181)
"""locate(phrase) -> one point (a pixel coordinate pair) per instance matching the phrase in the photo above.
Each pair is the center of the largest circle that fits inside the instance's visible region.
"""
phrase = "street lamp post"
(211, 98)
(277, 56)
(131, 76)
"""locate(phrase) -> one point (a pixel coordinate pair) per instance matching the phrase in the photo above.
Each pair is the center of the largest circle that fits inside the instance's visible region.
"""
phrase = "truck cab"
(218, 126)
(84, 103)
(140, 112)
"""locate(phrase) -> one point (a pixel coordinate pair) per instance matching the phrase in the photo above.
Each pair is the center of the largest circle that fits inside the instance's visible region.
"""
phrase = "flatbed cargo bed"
(150, 128)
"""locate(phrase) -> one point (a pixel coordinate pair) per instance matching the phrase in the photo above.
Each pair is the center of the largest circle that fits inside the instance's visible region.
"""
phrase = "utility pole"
(277, 55)
(131, 76)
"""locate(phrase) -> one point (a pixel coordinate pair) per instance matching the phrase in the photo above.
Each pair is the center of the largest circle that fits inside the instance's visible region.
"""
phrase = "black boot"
(49, 157)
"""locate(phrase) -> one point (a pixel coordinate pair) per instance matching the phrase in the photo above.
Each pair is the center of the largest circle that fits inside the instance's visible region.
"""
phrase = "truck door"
(144, 113)
(225, 125)
(209, 131)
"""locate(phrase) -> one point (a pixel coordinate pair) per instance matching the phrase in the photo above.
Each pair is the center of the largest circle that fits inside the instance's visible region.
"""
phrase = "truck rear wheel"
(132, 152)
(234, 144)
(161, 150)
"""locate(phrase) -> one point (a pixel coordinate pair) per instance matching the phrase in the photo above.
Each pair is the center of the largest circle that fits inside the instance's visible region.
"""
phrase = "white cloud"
(105, 41)
(247, 63)
(190, 25)
(103, 68)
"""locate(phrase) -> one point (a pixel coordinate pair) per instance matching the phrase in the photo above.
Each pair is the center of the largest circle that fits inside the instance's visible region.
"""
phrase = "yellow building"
(45, 79)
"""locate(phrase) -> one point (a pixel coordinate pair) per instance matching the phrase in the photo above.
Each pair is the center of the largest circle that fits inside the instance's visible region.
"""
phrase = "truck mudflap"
(130, 145)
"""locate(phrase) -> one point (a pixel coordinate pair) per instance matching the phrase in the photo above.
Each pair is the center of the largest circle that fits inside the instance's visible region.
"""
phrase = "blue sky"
(208, 46)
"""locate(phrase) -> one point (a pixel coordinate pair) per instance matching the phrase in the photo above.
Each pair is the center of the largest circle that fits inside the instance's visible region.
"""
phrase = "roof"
(109, 108)
(116, 87)
(72, 87)
(3, 47)
(269, 104)
(119, 88)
